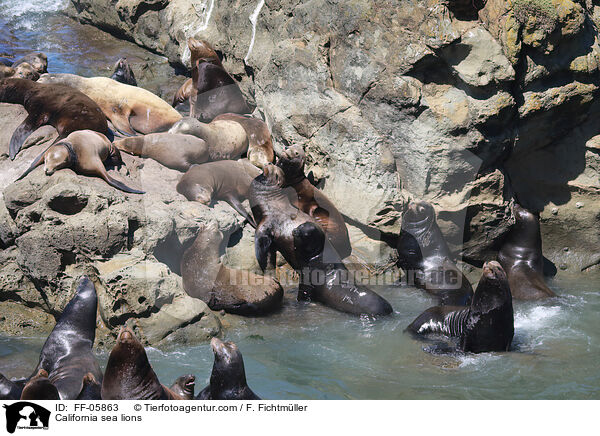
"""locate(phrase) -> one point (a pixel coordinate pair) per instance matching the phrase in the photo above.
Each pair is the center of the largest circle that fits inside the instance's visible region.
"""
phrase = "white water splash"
(16, 8)
(536, 318)
(253, 20)
(204, 11)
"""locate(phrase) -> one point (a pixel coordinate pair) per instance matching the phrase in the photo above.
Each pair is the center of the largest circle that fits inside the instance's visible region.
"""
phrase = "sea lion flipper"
(262, 246)
(122, 125)
(237, 205)
(119, 185)
(21, 133)
(36, 163)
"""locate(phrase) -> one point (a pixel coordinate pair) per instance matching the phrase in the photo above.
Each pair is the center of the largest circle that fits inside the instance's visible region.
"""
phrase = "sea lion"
(223, 288)
(173, 150)
(25, 71)
(91, 389)
(84, 151)
(39, 387)
(184, 386)
(226, 180)
(312, 201)
(39, 61)
(522, 259)
(123, 73)
(9, 390)
(282, 227)
(200, 51)
(130, 109)
(229, 136)
(61, 106)
(67, 353)
(424, 256)
(228, 377)
(486, 325)
(129, 375)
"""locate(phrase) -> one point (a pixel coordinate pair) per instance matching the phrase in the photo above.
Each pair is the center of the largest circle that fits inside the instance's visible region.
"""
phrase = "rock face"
(414, 99)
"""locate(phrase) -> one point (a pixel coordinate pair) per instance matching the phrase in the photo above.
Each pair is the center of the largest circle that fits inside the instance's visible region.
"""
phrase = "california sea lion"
(312, 201)
(129, 375)
(39, 387)
(123, 73)
(226, 180)
(522, 259)
(228, 377)
(184, 386)
(200, 51)
(84, 151)
(9, 390)
(67, 353)
(486, 325)
(173, 150)
(282, 227)
(61, 106)
(425, 257)
(129, 108)
(230, 136)
(223, 288)
(25, 71)
(91, 389)
(39, 61)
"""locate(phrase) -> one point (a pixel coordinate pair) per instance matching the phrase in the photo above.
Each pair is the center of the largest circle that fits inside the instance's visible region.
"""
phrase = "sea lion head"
(26, 71)
(228, 371)
(418, 214)
(292, 161)
(57, 157)
(309, 241)
(202, 50)
(493, 290)
(184, 386)
(39, 61)
(123, 73)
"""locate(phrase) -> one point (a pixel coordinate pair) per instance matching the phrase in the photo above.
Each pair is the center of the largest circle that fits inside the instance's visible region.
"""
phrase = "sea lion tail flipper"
(262, 246)
(122, 125)
(36, 163)
(119, 185)
(237, 205)
(21, 133)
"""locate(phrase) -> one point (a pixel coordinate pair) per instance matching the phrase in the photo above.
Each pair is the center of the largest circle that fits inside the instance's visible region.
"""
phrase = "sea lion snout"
(125, 335)
(493, 270)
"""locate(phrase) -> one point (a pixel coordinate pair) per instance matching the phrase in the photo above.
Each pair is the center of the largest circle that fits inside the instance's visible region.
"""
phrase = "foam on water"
(22, 11)
(536, 318)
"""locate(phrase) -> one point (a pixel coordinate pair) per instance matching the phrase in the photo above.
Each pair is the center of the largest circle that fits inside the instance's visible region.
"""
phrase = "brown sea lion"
(39, 61)
(486, 325)
(184, 386)
(424, 256)
(129, 108)
(312, 201)
(123, 73)
(129, 375)
(302, 242)
(173, 150)
(39, 387)
(84, 151)
(228, 377)
(225, 180)
(522, 259)
(229, 136)
(60, 106)
(223, 288)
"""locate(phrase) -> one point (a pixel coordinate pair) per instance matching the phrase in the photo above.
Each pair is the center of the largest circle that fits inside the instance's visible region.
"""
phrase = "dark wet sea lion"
(223, 288)
(184, 386)
(67, 353)
(424, 256)
(91, 389)
(129, 375)
(299, 238)
(9, 390)
(175, 151)
(39, 61)
(60, 106)
(39, 387)
(228, 377)
(84, 151)
(130, 109)
(230, 136)
(486, 325)
(226, 180)
(522, 259)
(312, 201)
(123, 73)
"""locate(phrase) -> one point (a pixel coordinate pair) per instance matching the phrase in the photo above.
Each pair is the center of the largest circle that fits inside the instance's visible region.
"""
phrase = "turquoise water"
(311, 352)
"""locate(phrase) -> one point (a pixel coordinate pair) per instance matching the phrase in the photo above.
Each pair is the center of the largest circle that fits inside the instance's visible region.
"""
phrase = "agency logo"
(26, 415)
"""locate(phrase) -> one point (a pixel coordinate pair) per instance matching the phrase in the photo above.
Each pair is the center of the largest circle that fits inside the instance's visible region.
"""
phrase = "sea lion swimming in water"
(129, 375)
(85, 151)
(60, 106)
(282, 227)
(39, 387)
(312, 201)
(130, 109)
(228, 377)
(486, 325)
(67, 353)
(123, 73)
(425, 257)
(522, 259)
